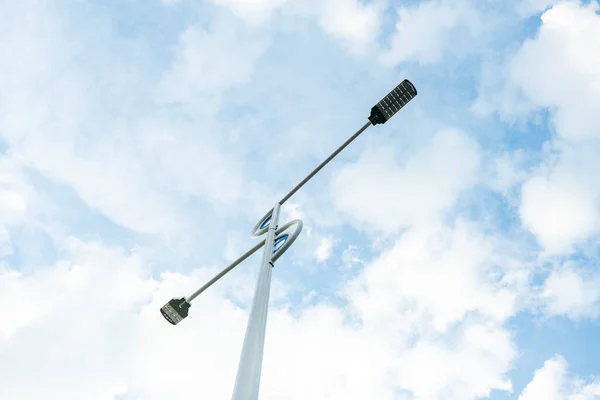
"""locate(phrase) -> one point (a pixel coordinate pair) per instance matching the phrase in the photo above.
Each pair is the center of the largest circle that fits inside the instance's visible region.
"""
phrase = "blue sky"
(451, 253)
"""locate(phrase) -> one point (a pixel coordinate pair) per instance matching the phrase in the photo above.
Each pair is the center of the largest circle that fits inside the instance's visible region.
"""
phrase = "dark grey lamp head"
(175, 310)
(393, 102)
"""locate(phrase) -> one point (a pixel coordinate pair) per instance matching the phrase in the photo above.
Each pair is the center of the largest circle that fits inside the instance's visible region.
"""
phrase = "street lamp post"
(277, 241)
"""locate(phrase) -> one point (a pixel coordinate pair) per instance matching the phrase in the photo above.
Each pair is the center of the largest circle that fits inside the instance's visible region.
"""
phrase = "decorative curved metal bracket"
(284, 237)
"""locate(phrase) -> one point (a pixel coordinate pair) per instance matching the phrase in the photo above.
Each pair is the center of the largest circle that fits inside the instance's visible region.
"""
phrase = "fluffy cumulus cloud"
(442, 273)
(63, 123)
(561, 205)
(420, 189)
(209, 61)
(17, 196)
(43, 118)
(531, 7)
(324, 249)
(438, 300)
(21, 205)
(256, 12)
(89, 327)
(103, 337)
(427, 30)
(557, 71)
(573, 292)
(553, 382)
(484, 354)
(354, 22)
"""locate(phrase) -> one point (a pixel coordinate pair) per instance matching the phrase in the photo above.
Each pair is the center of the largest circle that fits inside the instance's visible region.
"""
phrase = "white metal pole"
(247, 381)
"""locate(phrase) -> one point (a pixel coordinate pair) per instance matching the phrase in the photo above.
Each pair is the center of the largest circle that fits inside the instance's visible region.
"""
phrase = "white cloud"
(439, 272)
(547, 382)
(67, 121)
(558, 71)
(435, 278)
(18, 200)
(484, 353)
(256, 12)
(526, 8)
(98, 310)
(15, 191)
(356, 23)
(104, 298)
(350, 257)
(208, 61)
(309, 297)
(497, 94)
(5, 242)
(572, 292)
(319, 356)
(324, 249)
(427, 30)
(381, 195)
(551, 382)
(360, 365)
(234, 246)
(560, 210)
(506, 171)
(44, 110)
